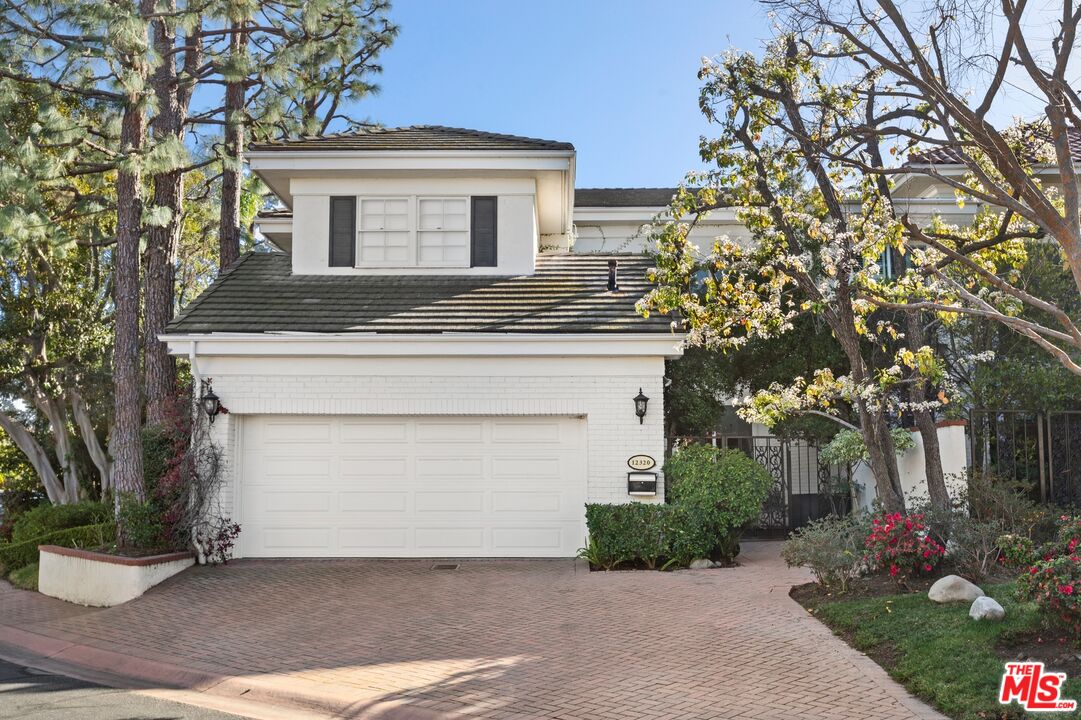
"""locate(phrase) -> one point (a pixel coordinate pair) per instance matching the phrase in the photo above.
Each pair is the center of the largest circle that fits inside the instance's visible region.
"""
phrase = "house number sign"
(641, 462)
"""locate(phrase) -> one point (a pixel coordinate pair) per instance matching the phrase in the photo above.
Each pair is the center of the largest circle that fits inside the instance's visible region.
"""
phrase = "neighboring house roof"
(275, 213)
(623, 197)
(415, 137)
(950, 155)
(568, 294)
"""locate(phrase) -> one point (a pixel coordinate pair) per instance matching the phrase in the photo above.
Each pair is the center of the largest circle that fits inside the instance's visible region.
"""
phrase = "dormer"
(417, 200)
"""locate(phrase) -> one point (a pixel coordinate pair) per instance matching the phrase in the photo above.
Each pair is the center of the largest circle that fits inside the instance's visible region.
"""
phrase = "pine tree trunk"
(125, 443)
(232, 181)
(160, 256)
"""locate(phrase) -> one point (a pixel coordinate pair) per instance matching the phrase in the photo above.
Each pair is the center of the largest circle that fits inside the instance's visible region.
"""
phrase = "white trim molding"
(668, 345)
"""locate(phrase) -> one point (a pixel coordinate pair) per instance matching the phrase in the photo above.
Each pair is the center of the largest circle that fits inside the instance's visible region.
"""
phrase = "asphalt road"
(28, 694)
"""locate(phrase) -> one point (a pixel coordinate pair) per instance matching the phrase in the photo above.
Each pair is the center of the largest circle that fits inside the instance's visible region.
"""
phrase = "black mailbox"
(642, 483)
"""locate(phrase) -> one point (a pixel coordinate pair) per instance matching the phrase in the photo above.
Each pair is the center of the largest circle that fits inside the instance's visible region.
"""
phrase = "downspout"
(195, 376)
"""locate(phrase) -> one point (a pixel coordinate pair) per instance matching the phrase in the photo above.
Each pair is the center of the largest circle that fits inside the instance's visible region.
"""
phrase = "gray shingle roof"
(623, 197)
(947, 155)
(415, 137)
(568, 294)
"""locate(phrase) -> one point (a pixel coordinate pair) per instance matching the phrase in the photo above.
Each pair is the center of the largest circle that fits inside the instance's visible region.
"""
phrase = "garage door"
(322, 486)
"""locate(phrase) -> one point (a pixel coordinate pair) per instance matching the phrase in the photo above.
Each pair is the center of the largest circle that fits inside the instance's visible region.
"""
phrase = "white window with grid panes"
(443, 231)
(384, 236)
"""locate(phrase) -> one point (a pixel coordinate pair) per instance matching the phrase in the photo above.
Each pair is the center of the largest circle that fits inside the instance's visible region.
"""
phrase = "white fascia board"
(274, 224)
(669, 345)
(411, 160)
(643, 215)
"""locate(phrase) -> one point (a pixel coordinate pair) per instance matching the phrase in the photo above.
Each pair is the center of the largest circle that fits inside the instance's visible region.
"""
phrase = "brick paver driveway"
(494, 639)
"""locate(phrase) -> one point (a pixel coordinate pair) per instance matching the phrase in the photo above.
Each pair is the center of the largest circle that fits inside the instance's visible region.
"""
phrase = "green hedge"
(17, 555)
(46, 519)
(714, 493)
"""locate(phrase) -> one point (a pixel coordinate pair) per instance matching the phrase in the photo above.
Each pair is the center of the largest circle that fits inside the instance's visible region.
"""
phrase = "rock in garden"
(953, 588)
(701, 564)
(985, 608)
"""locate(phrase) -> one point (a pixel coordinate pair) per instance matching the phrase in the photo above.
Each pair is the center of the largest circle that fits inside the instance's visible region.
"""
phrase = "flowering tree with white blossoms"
(817, 231)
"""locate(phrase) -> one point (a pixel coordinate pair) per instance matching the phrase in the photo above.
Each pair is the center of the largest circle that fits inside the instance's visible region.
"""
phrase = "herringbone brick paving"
(505, 640)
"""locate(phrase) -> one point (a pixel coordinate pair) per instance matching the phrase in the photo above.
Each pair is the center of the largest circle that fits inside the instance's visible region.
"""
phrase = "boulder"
(701, 564)
(953, 588)
(985, 608)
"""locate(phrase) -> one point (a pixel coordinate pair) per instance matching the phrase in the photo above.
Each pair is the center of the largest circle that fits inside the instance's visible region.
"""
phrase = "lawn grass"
(938, 652)
(25, 577)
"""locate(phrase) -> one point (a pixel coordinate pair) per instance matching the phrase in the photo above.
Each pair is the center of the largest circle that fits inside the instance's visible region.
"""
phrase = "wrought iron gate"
(1039, 449)
(803, 488)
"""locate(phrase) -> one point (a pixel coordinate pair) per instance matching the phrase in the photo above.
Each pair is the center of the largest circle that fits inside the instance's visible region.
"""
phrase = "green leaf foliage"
(16, 555)
(47, 519)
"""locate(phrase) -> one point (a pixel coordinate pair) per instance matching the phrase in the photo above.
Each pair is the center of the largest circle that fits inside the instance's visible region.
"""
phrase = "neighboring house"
(426, 369)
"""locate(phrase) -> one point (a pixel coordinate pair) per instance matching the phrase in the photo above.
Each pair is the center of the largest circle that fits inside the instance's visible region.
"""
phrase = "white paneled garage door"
(323, 486)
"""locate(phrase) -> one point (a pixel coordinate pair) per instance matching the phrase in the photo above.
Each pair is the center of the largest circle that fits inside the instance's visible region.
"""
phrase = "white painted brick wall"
(599, 389)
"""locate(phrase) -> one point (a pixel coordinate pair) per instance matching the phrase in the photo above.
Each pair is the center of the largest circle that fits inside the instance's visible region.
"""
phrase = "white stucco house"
(426, 368)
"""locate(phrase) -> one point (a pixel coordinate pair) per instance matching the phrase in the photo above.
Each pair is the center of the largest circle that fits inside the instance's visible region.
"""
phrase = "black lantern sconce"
(210, 402)
(640, 402)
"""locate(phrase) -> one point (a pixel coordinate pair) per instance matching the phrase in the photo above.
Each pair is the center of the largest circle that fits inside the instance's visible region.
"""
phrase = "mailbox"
(642, 483)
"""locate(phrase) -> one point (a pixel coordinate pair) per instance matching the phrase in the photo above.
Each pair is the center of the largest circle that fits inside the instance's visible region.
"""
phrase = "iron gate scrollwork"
(774, 515)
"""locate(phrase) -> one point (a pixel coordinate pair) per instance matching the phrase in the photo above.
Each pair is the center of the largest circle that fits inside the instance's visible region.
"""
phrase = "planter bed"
(937, 652)
(100, 579)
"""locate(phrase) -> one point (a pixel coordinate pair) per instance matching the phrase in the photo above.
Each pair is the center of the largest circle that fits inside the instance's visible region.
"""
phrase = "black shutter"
(482, 235)
(343, 231)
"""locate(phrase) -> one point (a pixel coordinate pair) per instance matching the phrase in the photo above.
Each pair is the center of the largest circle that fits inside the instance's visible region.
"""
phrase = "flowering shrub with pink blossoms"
(1053, 581)
(902, 546)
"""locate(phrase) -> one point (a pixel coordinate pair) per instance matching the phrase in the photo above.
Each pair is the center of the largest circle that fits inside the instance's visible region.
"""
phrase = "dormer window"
(413, 231)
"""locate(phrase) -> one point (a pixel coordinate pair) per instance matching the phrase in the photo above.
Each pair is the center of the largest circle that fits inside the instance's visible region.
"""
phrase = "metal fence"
(1041, 450)
(803, 489)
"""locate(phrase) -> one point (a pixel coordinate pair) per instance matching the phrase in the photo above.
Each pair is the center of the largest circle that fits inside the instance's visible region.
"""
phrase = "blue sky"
(616, 78)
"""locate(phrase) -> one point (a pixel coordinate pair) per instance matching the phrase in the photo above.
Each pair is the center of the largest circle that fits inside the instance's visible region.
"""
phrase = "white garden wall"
(910, 464)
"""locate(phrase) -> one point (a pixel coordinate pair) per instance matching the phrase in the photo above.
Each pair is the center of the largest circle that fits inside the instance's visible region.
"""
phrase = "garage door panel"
(526, 432)
(363, 538)
(450, 432)
(449, 466)
(373, 468)
(510, 539)
(297, 467)
(374, 502)
(526, 502)
(374, 432)
(295, 537)
(297, 432)
(449, 502)
(411, 487)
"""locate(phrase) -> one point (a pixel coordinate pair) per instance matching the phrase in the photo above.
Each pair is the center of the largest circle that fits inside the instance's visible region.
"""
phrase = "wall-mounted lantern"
(640, 402)
(210, 402)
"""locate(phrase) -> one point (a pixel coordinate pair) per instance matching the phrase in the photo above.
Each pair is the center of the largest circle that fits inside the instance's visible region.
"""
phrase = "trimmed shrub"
(45, 519)
(1053, 582)
(143, 522)
(25, 578)
(634, 532)
(720, 492)
(901, 546)
(831, 548)
(18, 555)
